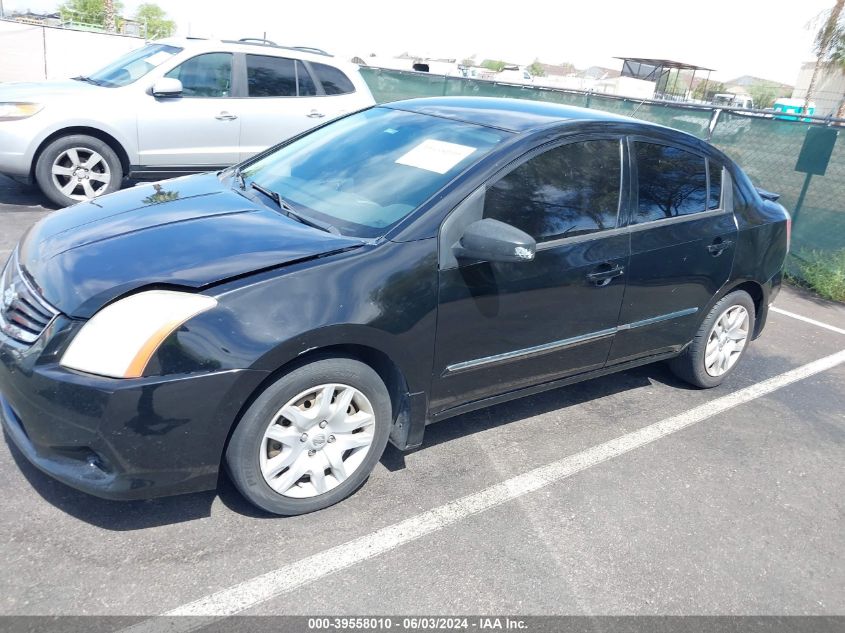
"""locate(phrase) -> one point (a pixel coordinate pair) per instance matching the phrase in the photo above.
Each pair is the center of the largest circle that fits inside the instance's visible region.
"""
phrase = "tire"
(76, 168)
(692, 364)
(252, 457)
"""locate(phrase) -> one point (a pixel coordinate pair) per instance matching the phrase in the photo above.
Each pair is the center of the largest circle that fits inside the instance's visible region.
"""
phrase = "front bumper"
(119, 439)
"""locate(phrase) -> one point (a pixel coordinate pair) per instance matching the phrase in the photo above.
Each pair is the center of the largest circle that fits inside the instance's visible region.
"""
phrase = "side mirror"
(494, 241)
(167, 87)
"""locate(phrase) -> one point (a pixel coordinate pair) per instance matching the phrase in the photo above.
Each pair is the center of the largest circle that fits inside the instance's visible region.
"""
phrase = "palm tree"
(825, 45)
(837, 58)
(111, 16)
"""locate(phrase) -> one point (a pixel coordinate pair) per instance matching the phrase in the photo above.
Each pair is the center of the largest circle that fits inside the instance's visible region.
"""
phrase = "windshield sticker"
(436, 156)
(158, 58)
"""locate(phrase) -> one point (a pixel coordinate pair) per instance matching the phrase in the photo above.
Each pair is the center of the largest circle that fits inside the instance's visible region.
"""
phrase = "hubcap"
(81, 173)
(726, 341)
(317, 440)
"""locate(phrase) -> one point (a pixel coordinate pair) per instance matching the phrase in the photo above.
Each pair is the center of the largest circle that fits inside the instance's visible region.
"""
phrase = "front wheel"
(720, 342)
(311, 438)
(77, 168)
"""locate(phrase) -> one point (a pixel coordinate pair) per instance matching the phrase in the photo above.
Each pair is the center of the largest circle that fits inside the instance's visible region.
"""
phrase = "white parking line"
(826, 326)
(251, 592)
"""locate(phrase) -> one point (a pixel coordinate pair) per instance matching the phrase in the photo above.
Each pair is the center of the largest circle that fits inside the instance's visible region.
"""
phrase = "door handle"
(315, 115)
(605, 275)
(226, 116)
(718, 246)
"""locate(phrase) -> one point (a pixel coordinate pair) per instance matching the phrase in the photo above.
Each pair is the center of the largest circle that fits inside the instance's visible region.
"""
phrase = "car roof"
(293, 52)
(513, 115)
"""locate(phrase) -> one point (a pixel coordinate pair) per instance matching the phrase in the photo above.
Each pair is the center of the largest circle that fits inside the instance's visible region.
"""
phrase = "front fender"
(382, 297)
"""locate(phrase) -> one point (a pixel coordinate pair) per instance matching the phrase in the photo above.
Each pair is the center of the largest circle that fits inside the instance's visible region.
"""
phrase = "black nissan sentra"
(405, 264)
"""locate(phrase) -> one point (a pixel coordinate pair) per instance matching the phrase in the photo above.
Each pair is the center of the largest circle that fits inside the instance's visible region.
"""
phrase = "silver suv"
(173, 107)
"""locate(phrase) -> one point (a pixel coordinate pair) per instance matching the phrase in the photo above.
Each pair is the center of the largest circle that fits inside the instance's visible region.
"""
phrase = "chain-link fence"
(765, 147)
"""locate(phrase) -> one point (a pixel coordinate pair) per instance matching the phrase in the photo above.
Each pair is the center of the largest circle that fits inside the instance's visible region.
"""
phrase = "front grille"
(24, 315)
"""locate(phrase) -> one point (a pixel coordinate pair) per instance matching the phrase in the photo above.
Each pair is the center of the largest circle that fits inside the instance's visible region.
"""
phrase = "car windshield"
(134, 65)
(366, 172)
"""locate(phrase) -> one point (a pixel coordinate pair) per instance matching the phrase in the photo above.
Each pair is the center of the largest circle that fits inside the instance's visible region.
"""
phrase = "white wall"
(34, 53)
(627, 87)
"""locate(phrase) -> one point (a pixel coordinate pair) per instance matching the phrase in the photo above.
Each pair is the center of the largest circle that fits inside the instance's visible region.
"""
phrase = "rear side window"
(567, 191)
(208, 75)
(715, 200)
(270, 76)
(672, 183)
(333, 80)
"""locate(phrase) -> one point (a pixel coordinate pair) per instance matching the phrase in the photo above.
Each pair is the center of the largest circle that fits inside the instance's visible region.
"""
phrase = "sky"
(735, 37)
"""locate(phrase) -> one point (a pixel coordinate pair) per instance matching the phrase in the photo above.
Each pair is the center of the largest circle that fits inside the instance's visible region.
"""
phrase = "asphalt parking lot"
(571, 502)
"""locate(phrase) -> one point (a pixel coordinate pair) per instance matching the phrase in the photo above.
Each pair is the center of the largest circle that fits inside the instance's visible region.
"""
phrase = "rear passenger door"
(282, 98)
(682, 247)
(338, 92)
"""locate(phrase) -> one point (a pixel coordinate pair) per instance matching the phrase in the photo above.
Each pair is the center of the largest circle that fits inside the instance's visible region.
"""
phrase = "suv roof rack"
(260, 41)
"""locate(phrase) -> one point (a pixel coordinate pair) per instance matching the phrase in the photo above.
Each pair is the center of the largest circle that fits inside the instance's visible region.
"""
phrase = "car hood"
(46, 90)
(190, 232)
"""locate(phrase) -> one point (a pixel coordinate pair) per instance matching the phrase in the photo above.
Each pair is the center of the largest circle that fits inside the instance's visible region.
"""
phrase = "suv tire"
(76, 168)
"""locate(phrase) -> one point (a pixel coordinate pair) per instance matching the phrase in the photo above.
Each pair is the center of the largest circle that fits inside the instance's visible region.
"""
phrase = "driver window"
(208, 75)
(566, 191)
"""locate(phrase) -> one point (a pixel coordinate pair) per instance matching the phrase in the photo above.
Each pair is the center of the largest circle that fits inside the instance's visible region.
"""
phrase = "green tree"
(91, 12)
(677, 83)
(764, 94)
(536, 68)
(706, 90)
(156, 22)
(495, 65)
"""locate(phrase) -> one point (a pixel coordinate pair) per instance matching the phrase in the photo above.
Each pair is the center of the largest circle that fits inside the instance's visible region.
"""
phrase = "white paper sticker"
(436, 156)
(158, 58)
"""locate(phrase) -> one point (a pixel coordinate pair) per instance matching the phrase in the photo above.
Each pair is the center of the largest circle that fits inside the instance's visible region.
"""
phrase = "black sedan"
(405, 264)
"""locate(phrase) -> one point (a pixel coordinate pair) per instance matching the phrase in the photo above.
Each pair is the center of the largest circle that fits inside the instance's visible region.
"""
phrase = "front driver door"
(199, 129)
(502, 326)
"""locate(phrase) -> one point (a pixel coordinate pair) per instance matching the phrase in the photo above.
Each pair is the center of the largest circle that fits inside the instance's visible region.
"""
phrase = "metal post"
(691, 84)
(714, 119)
(801, 196)
(2, 11)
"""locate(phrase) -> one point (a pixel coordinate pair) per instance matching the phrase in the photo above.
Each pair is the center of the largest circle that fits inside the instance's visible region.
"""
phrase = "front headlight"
(11, 111)
(121, 338)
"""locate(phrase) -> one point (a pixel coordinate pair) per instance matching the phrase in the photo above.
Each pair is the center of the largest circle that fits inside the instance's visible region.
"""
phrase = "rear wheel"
(76, 168)
(311, 438)
(719, 343)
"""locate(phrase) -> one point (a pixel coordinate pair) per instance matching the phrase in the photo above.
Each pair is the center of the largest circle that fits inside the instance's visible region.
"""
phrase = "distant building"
(829, 92)
(599, 73)
(557, 70)
(39, 19)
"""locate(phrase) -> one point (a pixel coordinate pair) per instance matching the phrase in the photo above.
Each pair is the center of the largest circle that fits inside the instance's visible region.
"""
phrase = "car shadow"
(537, 404)
(13, 193)
(138, 515)
(113, 515)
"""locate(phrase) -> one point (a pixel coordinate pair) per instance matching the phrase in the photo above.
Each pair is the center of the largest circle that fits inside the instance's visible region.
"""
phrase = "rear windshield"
(368, 171)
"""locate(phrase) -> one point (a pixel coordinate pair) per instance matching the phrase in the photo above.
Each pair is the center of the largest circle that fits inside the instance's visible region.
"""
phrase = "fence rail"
(764, 144)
